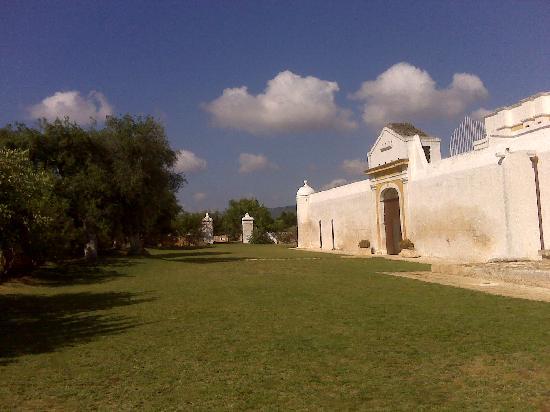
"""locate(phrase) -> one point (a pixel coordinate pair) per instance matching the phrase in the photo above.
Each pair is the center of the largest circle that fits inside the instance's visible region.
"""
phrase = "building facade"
(490, 203)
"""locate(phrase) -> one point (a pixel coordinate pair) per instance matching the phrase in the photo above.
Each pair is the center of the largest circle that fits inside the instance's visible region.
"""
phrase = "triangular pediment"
(386, 138)
(388, 147)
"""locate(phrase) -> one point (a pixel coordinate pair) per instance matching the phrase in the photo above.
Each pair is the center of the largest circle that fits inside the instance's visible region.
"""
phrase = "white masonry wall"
(544, 177)
(471, 208)
(458, 215)
(464, 208)
(349, 208)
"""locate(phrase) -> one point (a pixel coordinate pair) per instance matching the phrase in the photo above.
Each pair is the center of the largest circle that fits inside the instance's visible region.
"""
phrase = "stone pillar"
(248, 226)
(520, 206)
(207, 229)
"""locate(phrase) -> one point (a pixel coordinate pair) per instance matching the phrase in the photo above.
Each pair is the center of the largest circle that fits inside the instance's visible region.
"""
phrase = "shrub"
(288, 237)
(406, 244)
(364, 244)
(259, 237)
(188, 226)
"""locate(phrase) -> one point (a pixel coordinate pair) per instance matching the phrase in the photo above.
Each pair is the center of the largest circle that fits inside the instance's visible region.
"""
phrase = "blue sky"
(175, 59)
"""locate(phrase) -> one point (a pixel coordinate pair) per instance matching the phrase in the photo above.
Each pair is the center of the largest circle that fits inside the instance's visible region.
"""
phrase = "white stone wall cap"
(305, 190)
(527, 99)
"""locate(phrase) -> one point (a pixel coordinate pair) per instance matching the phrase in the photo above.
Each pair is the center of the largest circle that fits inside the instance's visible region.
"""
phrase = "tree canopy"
(27, 208)
(112, 183)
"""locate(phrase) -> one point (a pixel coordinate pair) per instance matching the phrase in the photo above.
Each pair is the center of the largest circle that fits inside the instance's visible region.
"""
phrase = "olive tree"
(27, 208)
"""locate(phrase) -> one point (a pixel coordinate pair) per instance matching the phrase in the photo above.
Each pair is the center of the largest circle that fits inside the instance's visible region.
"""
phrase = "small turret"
(305, 190)
(302, 209)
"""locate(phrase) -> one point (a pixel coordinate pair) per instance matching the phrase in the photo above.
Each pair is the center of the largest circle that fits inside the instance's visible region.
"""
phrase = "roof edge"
(525, 100)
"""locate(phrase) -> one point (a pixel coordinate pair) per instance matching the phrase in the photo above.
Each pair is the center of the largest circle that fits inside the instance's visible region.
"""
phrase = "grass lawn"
(263, 327)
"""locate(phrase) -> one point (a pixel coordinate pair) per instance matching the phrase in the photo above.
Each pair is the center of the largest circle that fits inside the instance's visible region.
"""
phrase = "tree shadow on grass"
(171, 256)
(200, 257)
(33, 324)
(207, 260)
(172, 247)
(77, 273)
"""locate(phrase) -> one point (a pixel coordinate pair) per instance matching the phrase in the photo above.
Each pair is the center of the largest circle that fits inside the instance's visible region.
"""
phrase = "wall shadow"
(33, 324)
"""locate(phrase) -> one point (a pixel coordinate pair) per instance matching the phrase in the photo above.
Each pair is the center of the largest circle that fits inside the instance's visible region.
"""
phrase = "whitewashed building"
(490, 203)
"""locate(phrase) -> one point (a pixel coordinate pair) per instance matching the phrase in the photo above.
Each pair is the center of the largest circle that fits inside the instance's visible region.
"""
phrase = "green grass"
(212, 329)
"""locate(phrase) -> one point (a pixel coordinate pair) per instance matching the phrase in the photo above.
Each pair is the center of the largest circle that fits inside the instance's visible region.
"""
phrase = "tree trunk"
(3, 265)
(6, 262)
(117, 244)
(136, 245)
(90, 250)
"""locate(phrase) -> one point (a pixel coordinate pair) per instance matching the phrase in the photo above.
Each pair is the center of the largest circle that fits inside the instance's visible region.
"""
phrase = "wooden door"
(392, 223)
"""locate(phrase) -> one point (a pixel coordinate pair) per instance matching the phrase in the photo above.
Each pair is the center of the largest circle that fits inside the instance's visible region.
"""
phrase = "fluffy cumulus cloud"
(407, 93)
(335, 183)
(290, 103)
(188, 162)
(480, 113)
(199, 196)
(80, 109)
(249, 163)
(354, 166)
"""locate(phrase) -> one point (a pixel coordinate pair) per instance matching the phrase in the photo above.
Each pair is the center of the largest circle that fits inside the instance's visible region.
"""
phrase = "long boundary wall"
(346, 209)
(473, 207)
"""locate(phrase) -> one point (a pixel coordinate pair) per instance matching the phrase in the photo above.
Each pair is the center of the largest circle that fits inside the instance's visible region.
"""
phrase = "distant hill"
(276, 211)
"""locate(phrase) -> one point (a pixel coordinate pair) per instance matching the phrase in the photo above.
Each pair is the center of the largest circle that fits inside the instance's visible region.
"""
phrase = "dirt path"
(494, 287)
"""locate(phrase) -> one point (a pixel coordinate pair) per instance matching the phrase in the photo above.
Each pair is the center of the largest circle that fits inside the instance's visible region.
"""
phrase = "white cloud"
(407, 93)
(71, 104)
(249, 163)
(335, 183)
(480, 113)
(188, 161)
(290, 103)
(354, 166)
(199, 196)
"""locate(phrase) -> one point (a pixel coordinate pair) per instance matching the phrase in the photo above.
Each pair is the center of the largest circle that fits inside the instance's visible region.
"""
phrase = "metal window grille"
(464, 136)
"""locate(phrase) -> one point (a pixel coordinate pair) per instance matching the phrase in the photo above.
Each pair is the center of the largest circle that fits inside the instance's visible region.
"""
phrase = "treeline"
(66, 191)
(229, 222)
(69, 192)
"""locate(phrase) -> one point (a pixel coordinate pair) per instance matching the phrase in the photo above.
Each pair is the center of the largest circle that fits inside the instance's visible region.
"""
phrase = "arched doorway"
(392, 220)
